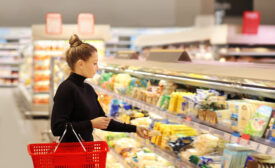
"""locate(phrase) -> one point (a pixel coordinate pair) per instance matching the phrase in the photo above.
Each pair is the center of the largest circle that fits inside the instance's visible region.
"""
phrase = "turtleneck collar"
(77, 79)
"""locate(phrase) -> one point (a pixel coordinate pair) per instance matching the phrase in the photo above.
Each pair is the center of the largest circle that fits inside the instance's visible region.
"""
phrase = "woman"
(76, 102)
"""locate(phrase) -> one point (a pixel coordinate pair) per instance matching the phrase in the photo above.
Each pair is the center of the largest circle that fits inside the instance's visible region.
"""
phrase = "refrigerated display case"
(12, 41)
(253, 83)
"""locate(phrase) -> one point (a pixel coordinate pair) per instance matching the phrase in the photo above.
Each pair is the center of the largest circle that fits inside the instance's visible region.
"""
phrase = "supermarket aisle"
(16, 132)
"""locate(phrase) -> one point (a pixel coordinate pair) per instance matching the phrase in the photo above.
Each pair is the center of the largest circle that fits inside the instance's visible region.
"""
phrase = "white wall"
(114, 12)
(267, 10)
(136, 13)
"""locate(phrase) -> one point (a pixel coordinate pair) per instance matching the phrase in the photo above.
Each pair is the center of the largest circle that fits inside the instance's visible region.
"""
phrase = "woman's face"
(90, 67)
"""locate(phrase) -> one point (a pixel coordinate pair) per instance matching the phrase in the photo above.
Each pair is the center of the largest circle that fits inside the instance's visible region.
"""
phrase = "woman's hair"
(78, 50)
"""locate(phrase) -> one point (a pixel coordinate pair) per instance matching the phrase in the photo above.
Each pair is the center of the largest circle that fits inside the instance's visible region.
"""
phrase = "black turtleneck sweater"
(76, 102)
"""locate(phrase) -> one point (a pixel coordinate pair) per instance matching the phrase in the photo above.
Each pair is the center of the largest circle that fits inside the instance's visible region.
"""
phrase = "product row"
(235, 112)
(176, 141)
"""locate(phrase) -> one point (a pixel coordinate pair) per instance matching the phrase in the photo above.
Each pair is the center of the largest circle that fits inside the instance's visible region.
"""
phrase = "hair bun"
(75, 41)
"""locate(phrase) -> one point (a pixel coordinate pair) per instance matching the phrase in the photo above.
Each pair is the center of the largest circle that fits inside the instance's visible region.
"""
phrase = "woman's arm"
(116, 126)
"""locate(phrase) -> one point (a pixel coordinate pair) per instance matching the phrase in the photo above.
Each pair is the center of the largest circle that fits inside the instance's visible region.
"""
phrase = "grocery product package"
(235, 156)
(206, 144)
(121, 83)
(258, 123)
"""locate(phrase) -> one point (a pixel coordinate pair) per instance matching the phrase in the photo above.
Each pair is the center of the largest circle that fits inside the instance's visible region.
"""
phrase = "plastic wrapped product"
(259, 121)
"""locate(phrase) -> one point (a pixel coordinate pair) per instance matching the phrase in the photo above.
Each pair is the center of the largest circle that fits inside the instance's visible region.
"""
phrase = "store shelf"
(9, 47)
(45, 52)
(118, 43)
(25, 93)
(170, 156)
(265, 54)
(207, 83)
(10, 77)
(42, 92)
(256, 144)
(8, 85)
(8, 68)
(230, 71)
(118, 157)
(10, 63)
(8, 53)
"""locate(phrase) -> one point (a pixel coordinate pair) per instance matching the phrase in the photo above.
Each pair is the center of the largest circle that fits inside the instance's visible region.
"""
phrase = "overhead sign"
(86, 23)
(53, 23)
(251, 22)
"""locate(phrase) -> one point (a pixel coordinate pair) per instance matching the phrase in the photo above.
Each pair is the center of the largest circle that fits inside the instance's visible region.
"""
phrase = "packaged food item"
(245, 114)
(143, 121)
(180, 144)
(234, 156)
(272, 135)
(206, 144)
(173, 102)
(121, 83)
(164, 103)
(257, 125)
(168, 131)
(223, 117)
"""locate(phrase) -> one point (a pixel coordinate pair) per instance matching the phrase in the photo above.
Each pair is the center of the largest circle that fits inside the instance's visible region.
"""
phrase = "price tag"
(235, 139)
(179, 120)
(181, 164)
(188, 118)
(272, 152)
(196, 126)
(244, 142)
(263, 148)
(217, 132)
(227, 136)
(253, 145)
(170, 158)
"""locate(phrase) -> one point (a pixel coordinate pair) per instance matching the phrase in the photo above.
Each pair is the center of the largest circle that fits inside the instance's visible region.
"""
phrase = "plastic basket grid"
(69, 155)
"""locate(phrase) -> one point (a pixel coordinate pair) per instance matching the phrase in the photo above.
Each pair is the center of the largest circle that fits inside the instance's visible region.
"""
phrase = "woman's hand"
(101, 122)
(143, 132)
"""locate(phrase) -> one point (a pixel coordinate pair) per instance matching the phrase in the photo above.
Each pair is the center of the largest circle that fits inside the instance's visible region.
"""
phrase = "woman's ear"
(79, 64)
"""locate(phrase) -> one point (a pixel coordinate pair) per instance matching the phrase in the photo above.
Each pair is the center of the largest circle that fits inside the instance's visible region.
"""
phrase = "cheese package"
(258, 123)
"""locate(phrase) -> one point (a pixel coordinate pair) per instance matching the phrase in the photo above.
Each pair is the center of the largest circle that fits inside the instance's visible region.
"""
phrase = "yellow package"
(173, 102)
(245, 114)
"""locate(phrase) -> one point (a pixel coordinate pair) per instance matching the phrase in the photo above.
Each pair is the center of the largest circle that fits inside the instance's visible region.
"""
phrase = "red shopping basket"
(69, 155)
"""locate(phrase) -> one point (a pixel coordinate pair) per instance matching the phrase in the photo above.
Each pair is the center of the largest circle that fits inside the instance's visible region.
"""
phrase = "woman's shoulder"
(66, 84)
(89, 86)
(65, 88)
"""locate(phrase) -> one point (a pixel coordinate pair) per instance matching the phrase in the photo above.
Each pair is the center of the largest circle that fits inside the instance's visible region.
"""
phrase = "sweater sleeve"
(116, 126)
(62, 109)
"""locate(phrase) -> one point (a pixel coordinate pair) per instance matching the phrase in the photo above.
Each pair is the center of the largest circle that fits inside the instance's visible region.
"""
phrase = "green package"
(258, 123)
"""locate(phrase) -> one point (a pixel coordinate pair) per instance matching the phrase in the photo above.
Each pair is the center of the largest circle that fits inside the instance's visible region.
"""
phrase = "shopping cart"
(69, 155)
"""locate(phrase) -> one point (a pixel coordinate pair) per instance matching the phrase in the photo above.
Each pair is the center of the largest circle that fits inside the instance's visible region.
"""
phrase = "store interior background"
(123, 13)
(18, 125)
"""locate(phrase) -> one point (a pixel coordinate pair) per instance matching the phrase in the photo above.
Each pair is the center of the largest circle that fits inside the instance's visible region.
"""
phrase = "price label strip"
(196, 126)
(227, 137)
(244, 142)
(217, 132)
(263, 148)
(235, 139)
(272, 152)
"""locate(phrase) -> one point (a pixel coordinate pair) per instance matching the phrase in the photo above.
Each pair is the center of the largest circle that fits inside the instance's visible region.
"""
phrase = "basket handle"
(77, 136)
